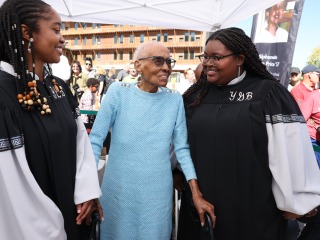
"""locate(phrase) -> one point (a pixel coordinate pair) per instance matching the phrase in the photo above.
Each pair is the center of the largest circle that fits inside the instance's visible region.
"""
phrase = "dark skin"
(152, 78)
(225, 70)
(48, 43)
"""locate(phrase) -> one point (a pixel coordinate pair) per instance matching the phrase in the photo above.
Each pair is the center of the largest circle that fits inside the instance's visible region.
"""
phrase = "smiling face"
(153, 76)
(48, 41)
(275, 13)
(75, 68)
(226, 69)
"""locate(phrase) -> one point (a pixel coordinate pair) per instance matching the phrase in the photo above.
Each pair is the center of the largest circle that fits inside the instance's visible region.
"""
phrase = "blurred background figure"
(101, 75)
(310, 78)
(61, 69)
(77, 81)
(198, 71)
(89, 97)
(295, 77)
(133, 75)
(123, 73)
(185, 82)
(89, 70)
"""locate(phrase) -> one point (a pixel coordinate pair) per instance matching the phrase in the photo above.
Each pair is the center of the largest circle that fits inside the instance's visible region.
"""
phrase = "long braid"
(238, 42)
(13, 13)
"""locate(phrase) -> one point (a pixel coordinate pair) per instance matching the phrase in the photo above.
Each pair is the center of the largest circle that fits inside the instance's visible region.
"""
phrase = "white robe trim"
(87, 181)
(28, 212)
(296, 176)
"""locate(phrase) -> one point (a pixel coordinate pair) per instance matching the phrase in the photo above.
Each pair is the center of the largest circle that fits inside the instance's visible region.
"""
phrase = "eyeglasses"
(204, 58)
(88, 64)
(159, 61)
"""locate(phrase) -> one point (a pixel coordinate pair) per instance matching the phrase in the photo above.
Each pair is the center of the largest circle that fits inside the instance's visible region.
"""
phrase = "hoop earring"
(29, 45)
(239, 70)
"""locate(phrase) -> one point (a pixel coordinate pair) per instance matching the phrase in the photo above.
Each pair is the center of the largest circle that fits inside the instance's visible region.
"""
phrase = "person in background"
(123, 73)
(77, 81)
(249, 144)
(89, 97)
(310, 74)
(144, 117)
(89, 70)
(186, 82)
(198, 71)
(112, 77)
(295, 78)
(101, 74)
(133, 75)
(49, 182)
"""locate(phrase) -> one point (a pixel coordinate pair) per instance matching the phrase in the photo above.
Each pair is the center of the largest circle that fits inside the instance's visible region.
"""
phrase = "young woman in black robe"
(249, 144)
(48, 176)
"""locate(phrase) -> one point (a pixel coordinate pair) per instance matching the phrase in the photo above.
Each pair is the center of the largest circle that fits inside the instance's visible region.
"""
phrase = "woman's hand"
(289, 215)
(85, 209)
(200, 204)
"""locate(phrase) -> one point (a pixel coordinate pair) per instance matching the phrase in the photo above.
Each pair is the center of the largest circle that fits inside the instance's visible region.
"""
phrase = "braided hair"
(238, 42)
(13, 13)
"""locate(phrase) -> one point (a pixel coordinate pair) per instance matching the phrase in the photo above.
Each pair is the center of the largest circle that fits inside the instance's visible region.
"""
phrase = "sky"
(308, 33)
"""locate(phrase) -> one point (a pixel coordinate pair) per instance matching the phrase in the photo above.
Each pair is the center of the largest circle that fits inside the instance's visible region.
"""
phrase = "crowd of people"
(240, 148)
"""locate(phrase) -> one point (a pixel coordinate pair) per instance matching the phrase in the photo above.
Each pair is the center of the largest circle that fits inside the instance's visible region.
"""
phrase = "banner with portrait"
(274, 32)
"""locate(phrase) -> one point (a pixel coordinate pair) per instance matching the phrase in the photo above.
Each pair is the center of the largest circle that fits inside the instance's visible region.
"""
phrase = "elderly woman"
(249, 144)
(144, 117)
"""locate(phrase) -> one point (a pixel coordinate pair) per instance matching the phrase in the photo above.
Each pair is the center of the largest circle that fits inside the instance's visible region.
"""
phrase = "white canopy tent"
(202, 15)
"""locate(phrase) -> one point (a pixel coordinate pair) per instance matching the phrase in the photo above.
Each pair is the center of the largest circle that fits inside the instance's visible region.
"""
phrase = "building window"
(193, 36)
(158, 37)
(63, 26)
(114, 56)
(98, 39)
(131, 38)
(75, 26)
(165, 37)
(84, 40)
(186, 36)
(121, 38)
(84, 25)
(93, 40)
(75, 41)
(93, 25)
(98, 25)
(191, 54)
(141, 38)
(121, 56)
(130, 56)
(115, 39)
(185, 55)
(98, 56)
(115, 25)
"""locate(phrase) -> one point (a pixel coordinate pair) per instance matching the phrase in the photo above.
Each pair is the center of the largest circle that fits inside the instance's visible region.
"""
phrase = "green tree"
(314, 58)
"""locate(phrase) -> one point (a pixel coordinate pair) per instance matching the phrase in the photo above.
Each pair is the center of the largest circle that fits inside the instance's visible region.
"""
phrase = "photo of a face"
(273, 25)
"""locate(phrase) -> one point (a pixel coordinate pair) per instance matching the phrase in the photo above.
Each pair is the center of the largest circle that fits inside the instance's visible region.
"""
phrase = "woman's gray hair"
(140, 50)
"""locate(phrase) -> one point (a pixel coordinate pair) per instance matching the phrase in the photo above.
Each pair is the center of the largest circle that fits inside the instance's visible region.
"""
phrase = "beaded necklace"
(33, 100)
